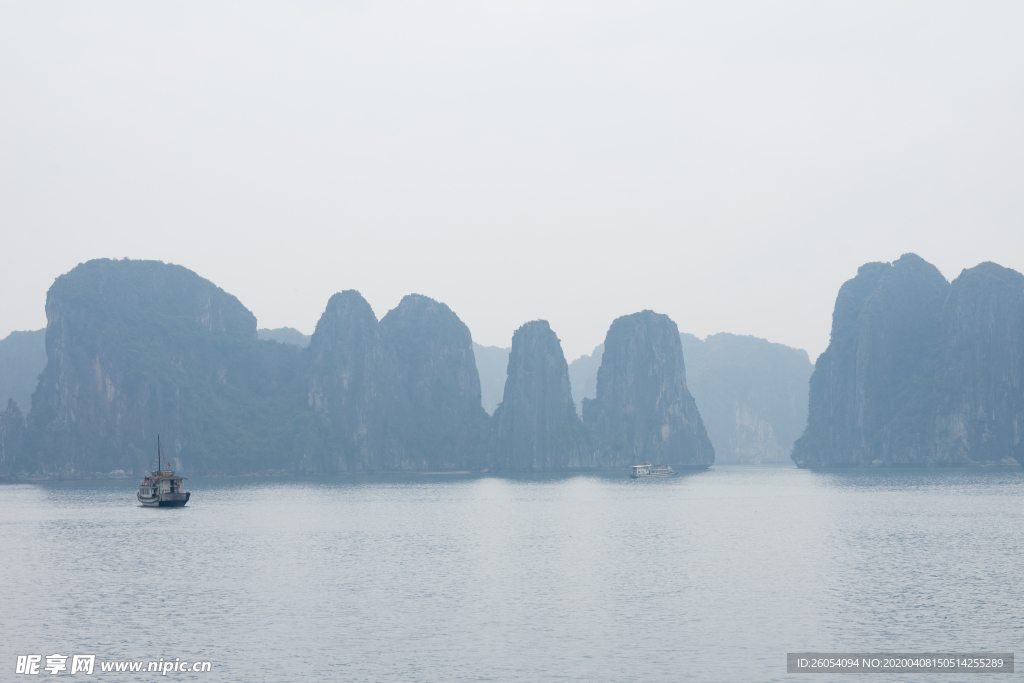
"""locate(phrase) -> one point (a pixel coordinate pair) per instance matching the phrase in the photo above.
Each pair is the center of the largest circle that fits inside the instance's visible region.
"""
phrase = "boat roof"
(164, 475)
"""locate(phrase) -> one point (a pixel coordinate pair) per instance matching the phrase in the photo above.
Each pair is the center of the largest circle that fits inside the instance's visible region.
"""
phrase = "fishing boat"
(162, 488)
(648, 470)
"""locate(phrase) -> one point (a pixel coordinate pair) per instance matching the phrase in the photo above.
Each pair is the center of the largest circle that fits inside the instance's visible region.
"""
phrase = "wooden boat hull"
(165, 500)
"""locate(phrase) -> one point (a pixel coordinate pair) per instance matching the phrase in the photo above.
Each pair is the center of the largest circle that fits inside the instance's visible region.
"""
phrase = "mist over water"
(710, 576)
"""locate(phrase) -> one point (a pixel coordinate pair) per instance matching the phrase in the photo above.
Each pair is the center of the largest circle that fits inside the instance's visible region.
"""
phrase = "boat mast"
(158, 467)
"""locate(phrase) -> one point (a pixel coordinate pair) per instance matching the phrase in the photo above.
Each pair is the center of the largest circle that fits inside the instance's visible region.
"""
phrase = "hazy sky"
(730, 165)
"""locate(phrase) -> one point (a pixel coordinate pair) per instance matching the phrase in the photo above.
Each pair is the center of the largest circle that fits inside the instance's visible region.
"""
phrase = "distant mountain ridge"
(492, 364)
(919, 371)
(284, 335)
(22, 358)
(752, 394)
(583, 375)
(140, 348)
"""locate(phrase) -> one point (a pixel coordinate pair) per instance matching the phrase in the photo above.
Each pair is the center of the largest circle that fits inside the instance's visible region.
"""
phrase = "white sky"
(729, 165)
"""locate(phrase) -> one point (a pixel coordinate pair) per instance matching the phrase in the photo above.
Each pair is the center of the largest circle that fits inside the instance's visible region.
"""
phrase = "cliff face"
(12, 440)
(870, 394)
(643, 410)
(22, 358)
(980, 384)
(351, 382)
(751, 393)
(918, 371)
(140, 348)
(536, 426)
(437, 416)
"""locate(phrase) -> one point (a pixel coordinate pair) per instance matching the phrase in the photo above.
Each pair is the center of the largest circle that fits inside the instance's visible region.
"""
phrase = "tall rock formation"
(437, 416)
(140, 348)
(22, 358)
(751, 393)
(980, 383)
(536, 425)
(12, 440)
(871, 391)
(351, 384)
(643, 410)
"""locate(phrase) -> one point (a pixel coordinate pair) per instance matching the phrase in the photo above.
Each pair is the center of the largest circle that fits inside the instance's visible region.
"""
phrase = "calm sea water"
(711, 577)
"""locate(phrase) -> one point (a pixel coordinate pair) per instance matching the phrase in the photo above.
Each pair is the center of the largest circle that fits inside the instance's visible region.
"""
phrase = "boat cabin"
(162, 482)
(640, 470)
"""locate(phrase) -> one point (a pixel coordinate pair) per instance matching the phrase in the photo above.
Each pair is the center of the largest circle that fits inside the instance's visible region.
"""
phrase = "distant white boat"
(649, 470)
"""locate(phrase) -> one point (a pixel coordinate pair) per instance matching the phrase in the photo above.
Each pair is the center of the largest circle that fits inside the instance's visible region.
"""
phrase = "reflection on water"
(706, 576)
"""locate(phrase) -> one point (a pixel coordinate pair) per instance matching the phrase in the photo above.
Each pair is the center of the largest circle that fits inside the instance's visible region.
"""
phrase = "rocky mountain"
(583, 375)
(643, 409)
(918, 371)
(351, 383)
(492, 365)
(536, 426)
(22, 358)
(979, 400)
(140, 348)
(12, 440)
(437, 416)
(284, 335)
(870, 391)
(751, 393)
(401, 394)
